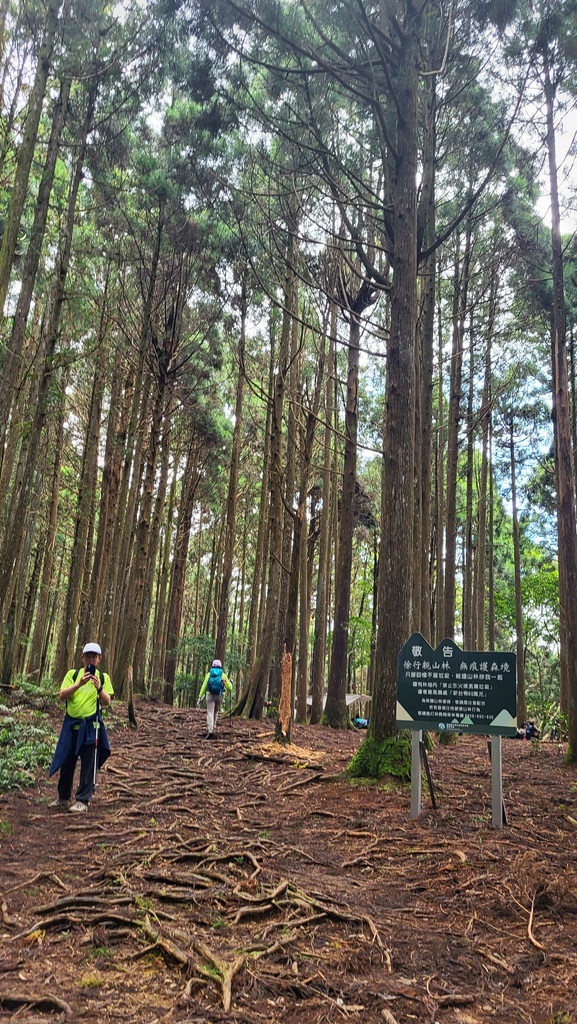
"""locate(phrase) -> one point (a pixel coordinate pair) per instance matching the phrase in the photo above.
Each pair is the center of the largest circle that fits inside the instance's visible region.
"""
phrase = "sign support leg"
(496, 782)
(416, 736)
(425, 761)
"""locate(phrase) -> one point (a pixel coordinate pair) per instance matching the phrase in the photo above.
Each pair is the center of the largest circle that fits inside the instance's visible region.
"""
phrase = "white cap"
(91, 649)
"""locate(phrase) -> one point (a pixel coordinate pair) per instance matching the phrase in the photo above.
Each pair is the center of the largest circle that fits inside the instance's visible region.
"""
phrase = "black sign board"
(447, 689)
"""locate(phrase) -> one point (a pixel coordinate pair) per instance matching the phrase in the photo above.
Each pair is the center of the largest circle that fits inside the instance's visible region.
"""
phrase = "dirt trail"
(234, 880)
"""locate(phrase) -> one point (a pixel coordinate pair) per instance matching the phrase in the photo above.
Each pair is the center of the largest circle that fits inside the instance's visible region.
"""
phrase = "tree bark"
(469, 534)
(26, 151)
(139, 660)
(252, 700)
(520, 645)
(460, 294)
(257, 589)
(190, 481)
(159, 638)
(566, 516)
(70, 629)
(396, 549)
(485, 418)
(336, 714)
(10, 372)
(11, 549)
(321, 609)
(231, 500)
(425, 338)
(37, 649)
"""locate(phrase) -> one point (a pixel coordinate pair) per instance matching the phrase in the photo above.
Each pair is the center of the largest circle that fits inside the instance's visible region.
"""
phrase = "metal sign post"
(416, 773)
(497, 804)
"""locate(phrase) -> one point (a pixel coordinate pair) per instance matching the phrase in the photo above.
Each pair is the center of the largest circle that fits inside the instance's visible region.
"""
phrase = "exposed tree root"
(45, 1003)
(226, 971)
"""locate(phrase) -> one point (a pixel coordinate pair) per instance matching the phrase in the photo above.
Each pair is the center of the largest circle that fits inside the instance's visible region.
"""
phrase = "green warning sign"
(447, 689)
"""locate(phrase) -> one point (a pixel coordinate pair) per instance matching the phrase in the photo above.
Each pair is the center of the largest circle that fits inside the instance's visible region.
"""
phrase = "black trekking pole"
(96, 732)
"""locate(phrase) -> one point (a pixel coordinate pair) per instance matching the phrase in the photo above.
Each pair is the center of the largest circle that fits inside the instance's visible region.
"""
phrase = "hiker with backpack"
(213, 687)
(85, 691)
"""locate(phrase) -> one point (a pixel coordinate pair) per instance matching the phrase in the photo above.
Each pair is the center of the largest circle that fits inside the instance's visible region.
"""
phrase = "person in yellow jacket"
(85, 691)
(213, 687)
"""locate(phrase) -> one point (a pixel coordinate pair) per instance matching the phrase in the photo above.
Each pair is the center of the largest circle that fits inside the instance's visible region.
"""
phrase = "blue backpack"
(215, 683)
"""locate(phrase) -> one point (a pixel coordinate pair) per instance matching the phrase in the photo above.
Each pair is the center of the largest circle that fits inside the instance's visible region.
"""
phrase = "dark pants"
(86, 784)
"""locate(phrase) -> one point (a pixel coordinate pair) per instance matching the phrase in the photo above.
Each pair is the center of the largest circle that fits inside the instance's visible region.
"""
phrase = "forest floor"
(238, 880)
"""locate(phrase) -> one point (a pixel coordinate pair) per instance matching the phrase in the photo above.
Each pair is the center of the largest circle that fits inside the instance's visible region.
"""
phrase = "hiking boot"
(78, 807)
(60, 803)
(211, 735)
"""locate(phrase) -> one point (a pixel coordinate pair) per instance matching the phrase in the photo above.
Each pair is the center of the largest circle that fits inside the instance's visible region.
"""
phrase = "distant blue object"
(360, 723)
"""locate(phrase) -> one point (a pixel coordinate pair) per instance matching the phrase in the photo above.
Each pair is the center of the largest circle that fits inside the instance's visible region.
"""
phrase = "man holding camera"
(85, 691)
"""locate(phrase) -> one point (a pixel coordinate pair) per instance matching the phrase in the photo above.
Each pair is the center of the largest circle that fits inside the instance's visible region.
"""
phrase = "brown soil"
(236, 880)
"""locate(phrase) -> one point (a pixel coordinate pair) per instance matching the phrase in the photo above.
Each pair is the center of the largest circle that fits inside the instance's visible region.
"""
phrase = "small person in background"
(213, 687)
(531, 730)
(360, 723)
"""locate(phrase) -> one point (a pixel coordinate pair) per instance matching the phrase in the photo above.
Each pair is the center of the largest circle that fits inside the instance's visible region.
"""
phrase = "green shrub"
(26, 744)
